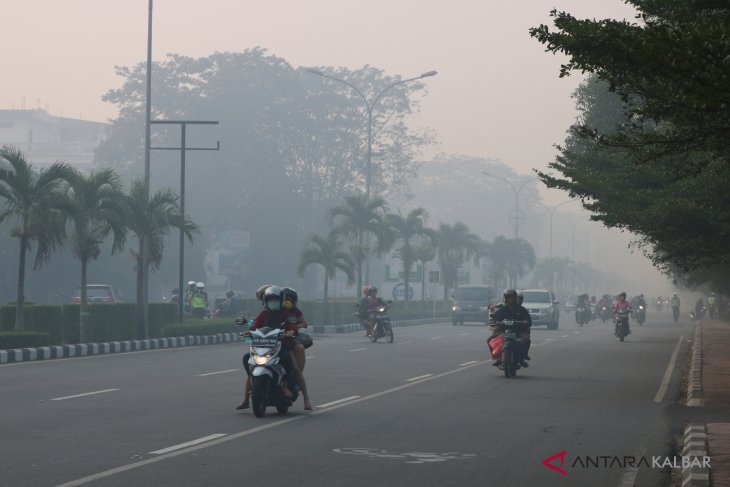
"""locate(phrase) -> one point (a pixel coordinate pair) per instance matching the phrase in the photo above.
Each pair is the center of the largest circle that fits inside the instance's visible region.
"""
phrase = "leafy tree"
(357, 217)
(456, 244)
(97, 210)
(424, 252)
(329, 253)
(150, 221)
(33, 200)
(510, 258)
(406, 230)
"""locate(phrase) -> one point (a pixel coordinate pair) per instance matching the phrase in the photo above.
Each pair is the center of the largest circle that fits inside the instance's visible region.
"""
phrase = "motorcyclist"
(274, 316)
(199, 301)
(188, 296)
(511, 310)
(584, 303)
(700, 308)
(622, 304)
(675, 302)
(229, 306)
(301, 342)
(368, 304)
(711, 302)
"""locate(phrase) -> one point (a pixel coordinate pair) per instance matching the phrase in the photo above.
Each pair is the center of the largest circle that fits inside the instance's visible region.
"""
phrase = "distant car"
(543, 307)
(96, 293)
(470, 303)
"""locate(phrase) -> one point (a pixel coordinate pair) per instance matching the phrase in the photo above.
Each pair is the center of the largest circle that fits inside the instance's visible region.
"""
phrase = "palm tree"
(510, 258)
(97, 209)
(357, 217)
(424, 252)
(34, 200)
(330, 254)
(456, 244)
(406, 229)
(553, 273)
(150, 221)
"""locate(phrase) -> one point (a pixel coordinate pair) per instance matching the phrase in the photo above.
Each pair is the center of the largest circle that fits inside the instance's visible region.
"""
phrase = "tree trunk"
(358, 258)
(84, 307)
(140, 298)
(326, 301)
(20, 299)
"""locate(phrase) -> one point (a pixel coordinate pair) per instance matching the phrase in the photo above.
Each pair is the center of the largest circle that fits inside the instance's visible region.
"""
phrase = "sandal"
(243, 405)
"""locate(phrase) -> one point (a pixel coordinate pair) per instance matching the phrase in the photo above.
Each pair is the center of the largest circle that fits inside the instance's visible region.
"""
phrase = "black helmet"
(622, 294)
(520, 298)
(273, 297)
(230, 294)
(372, 291)
(291, 294)
(510, 292)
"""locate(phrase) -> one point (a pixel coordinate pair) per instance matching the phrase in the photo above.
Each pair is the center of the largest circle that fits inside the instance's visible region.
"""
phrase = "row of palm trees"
(59, 204)
(344, 248)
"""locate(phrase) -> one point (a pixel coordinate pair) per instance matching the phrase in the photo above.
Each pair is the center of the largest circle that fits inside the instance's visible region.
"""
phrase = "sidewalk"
(716, 396)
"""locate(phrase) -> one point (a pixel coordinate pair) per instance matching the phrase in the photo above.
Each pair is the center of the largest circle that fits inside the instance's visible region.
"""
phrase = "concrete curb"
(695, 448)
(87, 349)
(694, 383)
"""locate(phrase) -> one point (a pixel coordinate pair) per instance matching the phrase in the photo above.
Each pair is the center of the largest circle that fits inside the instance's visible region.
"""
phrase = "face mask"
(274, 305)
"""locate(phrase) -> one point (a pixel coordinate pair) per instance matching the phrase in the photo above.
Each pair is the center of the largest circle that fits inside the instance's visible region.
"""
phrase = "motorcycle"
(605, 313)
(641, 315)
(267, 373)
(380, 324)
(582, 315)
(675, 313)
(659, 305)
(622, 323)
(506, 347)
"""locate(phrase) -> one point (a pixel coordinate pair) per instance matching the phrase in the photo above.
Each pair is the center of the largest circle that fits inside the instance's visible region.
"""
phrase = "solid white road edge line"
(339, 401)
(668, 374)
(418, 378)
(187, 444)
(468, 363)
(263, 427)
(82, 395)
(219, 372)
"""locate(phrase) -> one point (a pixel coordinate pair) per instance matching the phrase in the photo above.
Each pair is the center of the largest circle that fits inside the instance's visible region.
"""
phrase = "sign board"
(399, 292)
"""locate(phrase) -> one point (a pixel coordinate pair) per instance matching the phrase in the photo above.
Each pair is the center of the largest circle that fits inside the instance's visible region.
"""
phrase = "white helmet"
(200, 285)
(191, 283)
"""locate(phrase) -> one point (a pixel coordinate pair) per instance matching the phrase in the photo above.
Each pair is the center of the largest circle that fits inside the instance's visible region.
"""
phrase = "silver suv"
(543, 307)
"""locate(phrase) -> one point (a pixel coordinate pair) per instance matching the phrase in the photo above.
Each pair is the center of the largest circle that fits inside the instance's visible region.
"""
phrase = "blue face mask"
(274, 305)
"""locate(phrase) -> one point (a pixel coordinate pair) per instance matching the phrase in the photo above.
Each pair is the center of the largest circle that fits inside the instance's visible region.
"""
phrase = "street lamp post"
(370, 105)
(516, 217)
(551, 212)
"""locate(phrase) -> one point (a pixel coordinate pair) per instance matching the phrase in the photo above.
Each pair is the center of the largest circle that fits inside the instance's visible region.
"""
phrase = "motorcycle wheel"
(374, 334)
(388, 330)
(259, 395)
(507, 362)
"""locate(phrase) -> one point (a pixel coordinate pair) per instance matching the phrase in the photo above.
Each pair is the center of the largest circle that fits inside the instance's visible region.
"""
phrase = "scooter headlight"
(261, 359)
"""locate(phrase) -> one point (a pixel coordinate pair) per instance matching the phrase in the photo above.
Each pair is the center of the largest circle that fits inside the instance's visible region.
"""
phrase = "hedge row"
(200, 327)
(26, 339)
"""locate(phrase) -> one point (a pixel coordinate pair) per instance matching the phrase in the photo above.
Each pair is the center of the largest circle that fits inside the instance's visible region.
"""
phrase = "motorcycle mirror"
(241, 320)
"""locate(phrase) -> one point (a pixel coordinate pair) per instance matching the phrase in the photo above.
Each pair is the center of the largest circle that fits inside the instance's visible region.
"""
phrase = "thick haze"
(497, 94)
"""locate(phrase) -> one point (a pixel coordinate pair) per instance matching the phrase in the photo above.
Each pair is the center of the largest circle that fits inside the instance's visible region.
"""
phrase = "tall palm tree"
(36, 204)
(356, 217)
(456, 244)
(150, 221)
(330, 254)
(405, 230)
(97, 210)
(424, 252)
(510, 258)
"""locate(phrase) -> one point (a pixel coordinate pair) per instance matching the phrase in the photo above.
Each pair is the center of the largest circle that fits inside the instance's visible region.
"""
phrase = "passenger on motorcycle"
(302, 342)
(274, 316)
(512, 310)
(368, 304)
(622, 304)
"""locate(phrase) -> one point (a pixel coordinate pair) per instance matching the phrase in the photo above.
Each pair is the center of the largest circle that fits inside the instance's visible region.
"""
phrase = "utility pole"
(183, 149)
(148, 111)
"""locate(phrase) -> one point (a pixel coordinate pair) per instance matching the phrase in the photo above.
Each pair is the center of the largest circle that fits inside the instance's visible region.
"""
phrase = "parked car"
(471, 303)
(543, 307)
(96, 293)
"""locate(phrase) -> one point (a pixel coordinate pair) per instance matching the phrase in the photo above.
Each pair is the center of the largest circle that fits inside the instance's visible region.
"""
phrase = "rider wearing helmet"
(368, 303)
(512, 310)
(188, 295)
(199, 301)
(274, 316)
(302, 341)
(622, 304)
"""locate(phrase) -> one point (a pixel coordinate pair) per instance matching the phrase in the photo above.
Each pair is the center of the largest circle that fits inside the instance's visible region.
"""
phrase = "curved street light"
(516, 223)
(370, 105)
(551, 212)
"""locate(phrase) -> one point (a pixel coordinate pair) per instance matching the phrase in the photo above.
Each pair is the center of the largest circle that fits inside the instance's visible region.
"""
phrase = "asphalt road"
(426, 410)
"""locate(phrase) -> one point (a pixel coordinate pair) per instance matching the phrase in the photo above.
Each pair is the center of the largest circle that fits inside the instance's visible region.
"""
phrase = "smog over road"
(408, 243)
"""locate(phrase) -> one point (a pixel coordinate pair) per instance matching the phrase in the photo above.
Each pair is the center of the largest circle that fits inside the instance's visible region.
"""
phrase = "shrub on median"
(25, 339)
(38, 318)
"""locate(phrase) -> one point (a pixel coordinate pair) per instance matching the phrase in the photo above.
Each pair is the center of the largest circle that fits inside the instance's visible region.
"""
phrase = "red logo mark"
(548, 462)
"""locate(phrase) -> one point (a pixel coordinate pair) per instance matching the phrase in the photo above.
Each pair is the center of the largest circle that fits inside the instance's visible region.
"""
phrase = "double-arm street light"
(516, 217)
(370, 105)
(551, 212)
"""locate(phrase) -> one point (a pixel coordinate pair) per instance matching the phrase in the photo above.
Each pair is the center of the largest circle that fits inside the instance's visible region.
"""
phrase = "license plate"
(264, 342)
(508, 334)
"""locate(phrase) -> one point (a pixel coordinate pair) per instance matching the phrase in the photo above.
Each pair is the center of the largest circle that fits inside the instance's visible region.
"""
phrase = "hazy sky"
(497, 93)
